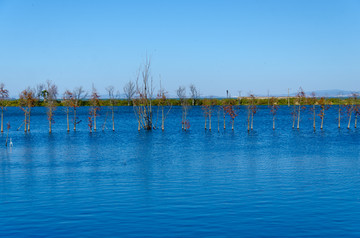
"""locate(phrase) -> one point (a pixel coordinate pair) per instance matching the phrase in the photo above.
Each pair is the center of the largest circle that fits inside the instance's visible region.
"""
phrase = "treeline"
(264, 101)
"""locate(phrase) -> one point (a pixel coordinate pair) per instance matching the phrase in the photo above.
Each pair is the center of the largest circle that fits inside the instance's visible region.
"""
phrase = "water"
(181, 184)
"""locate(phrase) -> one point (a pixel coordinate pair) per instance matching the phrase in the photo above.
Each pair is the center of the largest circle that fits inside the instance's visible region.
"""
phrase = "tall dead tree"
(181, 93)
(164, 104)
(312, 101)
(78, 95)
(323, 107)
(145, 94)
(50, 98)
(4, 97)
(67, 102)
(95, 105)
(112, 101)
(274, 106)
(27, 100)
(300, 101)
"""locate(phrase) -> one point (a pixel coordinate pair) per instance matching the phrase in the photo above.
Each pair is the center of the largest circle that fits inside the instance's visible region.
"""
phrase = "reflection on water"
(196, 183)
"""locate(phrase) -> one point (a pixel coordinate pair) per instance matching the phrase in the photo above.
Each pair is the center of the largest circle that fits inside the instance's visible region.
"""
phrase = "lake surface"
(282, 183)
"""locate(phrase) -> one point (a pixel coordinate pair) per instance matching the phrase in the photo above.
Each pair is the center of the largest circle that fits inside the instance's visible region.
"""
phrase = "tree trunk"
(348, 127)
(209, 121)
(25, 121)
(232, 124)
(294, 118)
(355, 120)
(322, 118)
(74, 119)
(339, 116)
(162, 118)
(94, 119)
(248, 121)
(49, 125)
(205, 121)
(224, 121)
(29, 120)
(252, 120)
(273, 122)
(2, 120)
(314, 125)
(112, 118)
(298, 122)
(67, 120)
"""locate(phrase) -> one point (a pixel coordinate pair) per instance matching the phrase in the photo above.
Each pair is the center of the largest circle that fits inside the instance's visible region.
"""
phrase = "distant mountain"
(326, 93)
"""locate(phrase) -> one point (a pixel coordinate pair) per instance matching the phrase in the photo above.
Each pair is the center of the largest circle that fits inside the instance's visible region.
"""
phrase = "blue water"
(282, 183)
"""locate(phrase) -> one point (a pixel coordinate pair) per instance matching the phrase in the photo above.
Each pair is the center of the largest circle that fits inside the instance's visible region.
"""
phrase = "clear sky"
(248, 46)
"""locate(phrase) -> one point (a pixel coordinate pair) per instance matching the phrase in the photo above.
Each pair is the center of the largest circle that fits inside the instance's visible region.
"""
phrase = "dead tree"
(350, 107)
(130, 91)
(67, 102)
(163, 102)
(312, 101)
(252, 109)
(77, 96)
(300, 101)
(181, 93)
(27, 100)
(50, 99)
(231, 111)
(4, 97)
(145, 94)
(323, 107)
(95, 105)
(112, 101)
(273, 102)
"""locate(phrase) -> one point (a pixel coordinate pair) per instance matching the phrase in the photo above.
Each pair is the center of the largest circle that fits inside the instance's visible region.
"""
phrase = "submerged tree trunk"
(348, 127)
(205, 121)
(67, 120)
(2, 120)
(209, 121)
(50, 126)
(112, 118)
(248, 120)
(273, 122)
(162, 119)
(355, 120)
(74, 119)
(232, 124)
(94, 119)
(314, 125)
(25, 121)
(322, 118)
(339, 117)
(298, 122)
(252, 120)
(224, 121)
(29, 120)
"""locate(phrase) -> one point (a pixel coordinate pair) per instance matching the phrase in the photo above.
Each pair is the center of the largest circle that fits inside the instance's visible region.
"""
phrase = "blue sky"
(248, 46)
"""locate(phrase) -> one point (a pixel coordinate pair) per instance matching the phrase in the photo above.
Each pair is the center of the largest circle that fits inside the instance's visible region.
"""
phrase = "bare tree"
(145, 93)
(26, 102)
(300, 101)
(130, 91)
(95, 105)
(67, 102)
(50, 98)
(77, 95)
(4, 97)
(313, 101)
(163, 103)
(273, 109)
(252, 109)
(323, 107)
(194, 94)
(181, 93)
(112, 98)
